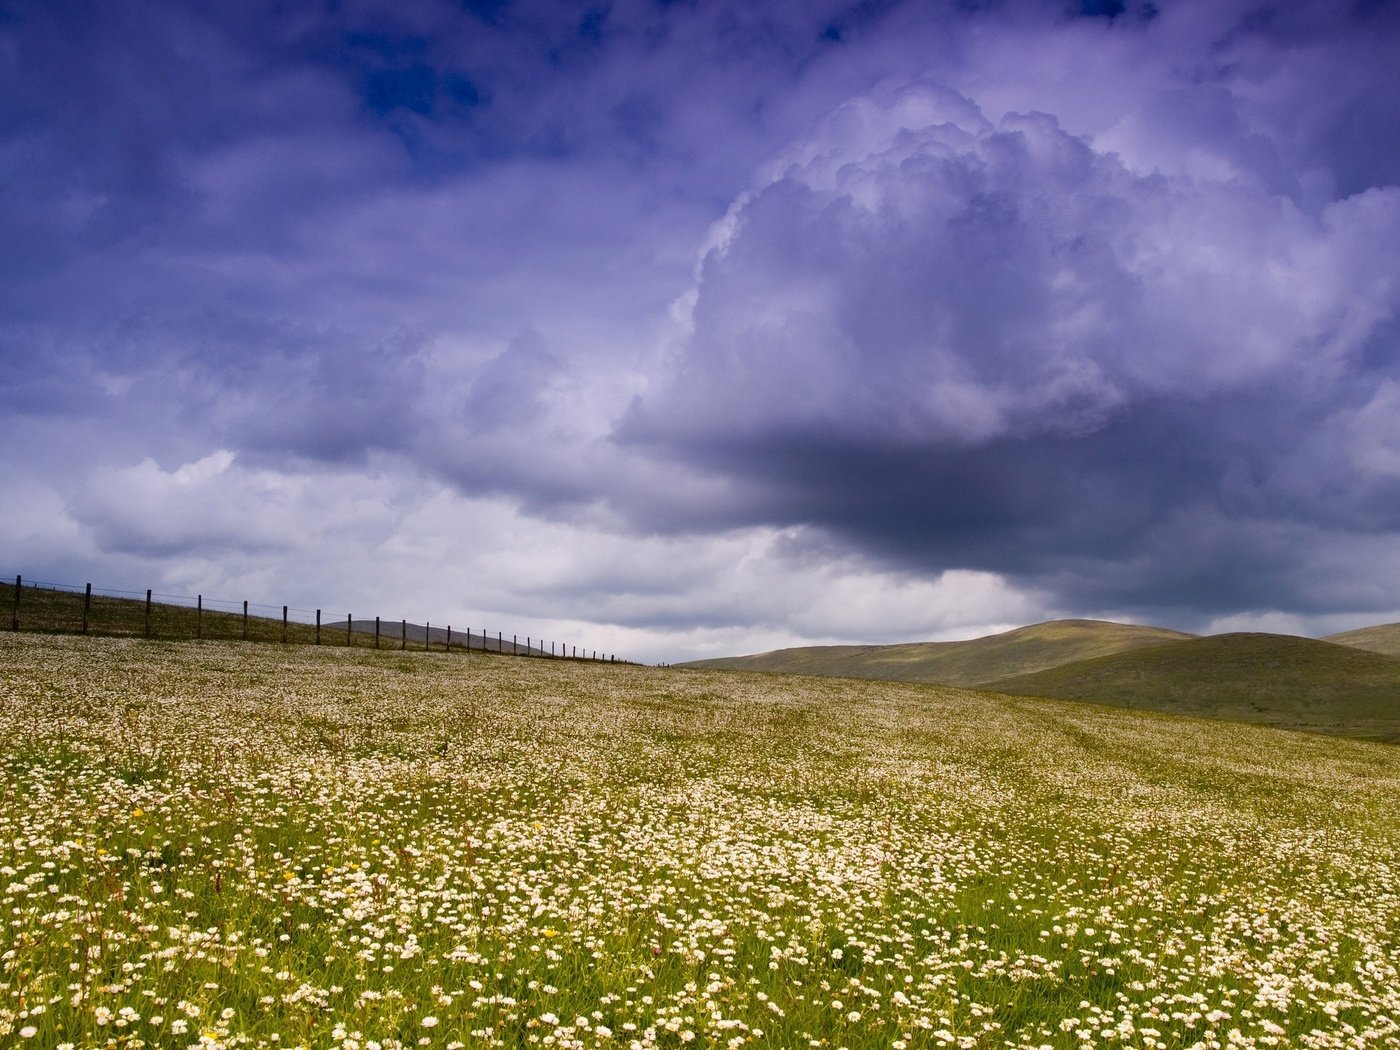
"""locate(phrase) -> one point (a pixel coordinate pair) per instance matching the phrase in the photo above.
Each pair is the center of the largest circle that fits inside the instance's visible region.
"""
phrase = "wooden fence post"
(318, 626)
(500, 644)
(245, 619)
(148, 612)
(349, 630)
(87, 607)
(376, 632)
(14, 617)
(199, 616)
(449, 637)
(403, 634)
(427, 633)
(284, 625)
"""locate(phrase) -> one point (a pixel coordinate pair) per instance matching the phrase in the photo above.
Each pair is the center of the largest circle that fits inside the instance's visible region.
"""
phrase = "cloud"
(228, 530)
(339, 403)
(982, 345)
(37, 532)
(509, 389)
(215, 506)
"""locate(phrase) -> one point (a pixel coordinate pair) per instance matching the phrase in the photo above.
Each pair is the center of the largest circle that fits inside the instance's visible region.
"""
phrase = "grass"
(1280, 680)
(1023, 650)
(274, 847)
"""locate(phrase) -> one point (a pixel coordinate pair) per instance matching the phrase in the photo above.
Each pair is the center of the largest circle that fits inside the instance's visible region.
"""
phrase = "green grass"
(273, 847)
(957, 663)
(1279, 680)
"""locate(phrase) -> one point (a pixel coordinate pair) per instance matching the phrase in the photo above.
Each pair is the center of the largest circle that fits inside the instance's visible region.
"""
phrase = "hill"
(1382, 638)
(964, 663)
(1278, 680)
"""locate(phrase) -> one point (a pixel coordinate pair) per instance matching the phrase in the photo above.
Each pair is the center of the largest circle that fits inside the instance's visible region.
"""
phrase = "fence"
(63, 608)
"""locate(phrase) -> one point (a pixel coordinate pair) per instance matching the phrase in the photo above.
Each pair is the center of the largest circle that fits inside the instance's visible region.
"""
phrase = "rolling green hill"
(1277, 680)
(1015, 652)
(1382, 638)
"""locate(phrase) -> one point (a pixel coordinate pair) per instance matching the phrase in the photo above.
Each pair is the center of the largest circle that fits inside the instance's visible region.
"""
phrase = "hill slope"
(1279, 680)
(970, 662)
(1382, 638)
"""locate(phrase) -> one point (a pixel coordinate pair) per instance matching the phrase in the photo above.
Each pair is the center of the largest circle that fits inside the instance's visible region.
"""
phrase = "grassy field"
(969, 662)
(240, 845)
(1278, 680)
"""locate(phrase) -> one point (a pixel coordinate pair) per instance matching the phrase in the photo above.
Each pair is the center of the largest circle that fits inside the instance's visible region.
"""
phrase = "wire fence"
(67, 608)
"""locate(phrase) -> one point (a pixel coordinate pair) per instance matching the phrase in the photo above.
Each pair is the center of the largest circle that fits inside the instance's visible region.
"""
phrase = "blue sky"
(696, 328)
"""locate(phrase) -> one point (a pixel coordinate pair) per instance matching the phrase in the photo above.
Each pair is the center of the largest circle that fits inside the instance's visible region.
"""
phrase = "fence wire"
(68, 608)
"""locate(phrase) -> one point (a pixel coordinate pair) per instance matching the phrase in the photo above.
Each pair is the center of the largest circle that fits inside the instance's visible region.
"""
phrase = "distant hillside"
(1383, 638)
(1278, 680)
(1015, 652)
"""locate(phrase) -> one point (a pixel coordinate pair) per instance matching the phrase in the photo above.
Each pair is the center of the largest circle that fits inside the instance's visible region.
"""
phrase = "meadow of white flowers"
(243, 845)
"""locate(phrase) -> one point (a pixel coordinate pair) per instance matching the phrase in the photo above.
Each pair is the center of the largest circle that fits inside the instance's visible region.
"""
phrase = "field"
(264, 846)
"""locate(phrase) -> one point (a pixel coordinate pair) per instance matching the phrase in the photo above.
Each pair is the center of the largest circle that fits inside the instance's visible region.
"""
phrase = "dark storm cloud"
(961, 343)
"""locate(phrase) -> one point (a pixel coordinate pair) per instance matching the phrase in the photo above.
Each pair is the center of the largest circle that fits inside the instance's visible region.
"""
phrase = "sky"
(689, 328)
